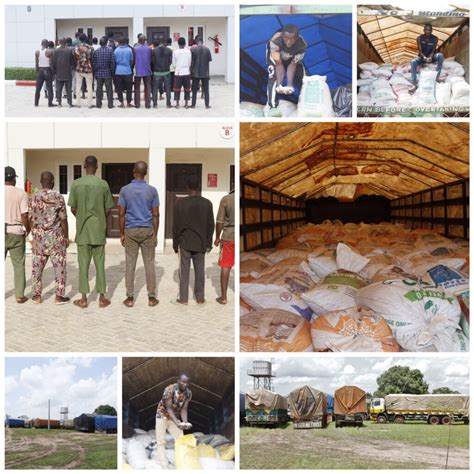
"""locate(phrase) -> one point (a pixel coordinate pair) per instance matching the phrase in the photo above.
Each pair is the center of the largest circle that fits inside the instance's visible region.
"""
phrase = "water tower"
(63, 415)
(262, 373)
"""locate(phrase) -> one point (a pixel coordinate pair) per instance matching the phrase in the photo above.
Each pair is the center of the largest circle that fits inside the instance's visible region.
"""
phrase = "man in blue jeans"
(427, 54)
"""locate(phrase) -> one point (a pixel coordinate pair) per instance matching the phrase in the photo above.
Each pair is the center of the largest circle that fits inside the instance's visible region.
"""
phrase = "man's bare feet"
(37, 299)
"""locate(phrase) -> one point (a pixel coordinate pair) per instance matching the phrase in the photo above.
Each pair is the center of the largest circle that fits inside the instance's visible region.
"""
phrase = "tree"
(444, 390)
(105, 410)
(399, 379)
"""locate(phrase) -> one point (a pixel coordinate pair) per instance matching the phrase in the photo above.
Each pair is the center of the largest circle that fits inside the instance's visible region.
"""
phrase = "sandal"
(80, 303)
(103, 303)
(220, 300)
(128, 302)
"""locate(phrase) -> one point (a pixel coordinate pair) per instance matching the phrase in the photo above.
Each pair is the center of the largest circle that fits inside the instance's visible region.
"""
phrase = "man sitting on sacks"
(285, 53)
(172, 408)
(427, 43)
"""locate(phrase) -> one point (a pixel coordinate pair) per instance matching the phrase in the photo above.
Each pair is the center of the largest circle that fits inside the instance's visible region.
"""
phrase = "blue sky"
(79, 383)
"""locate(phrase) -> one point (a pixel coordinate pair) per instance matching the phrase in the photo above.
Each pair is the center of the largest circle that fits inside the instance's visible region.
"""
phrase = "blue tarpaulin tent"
(329, 52)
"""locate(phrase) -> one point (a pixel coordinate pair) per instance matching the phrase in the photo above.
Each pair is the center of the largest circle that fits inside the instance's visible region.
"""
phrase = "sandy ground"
(19, 102)
(28, 449)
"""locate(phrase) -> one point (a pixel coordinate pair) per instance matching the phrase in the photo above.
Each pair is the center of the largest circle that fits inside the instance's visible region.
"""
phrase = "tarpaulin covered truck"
(386, 45)
(434, 409)
(315, 198)
(350, 406)
(15, 423)
(106, 423)
(263, 407)
(308, 408)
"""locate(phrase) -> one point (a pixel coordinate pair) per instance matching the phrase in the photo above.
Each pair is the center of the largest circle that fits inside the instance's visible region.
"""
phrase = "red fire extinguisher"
(28, 186)
(217, 44)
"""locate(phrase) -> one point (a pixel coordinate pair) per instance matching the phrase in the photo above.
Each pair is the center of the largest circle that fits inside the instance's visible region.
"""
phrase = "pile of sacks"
(191, 451)
(356, 287)
(387, 85)
(315, 100)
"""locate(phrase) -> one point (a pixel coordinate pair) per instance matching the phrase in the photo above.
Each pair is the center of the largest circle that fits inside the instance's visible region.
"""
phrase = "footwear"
(36, 299)
(192, 107)
(153, 301)
(52, 105)
(208, 106)
(104, 302)
(200, 301)
(80, 303)
(22, 299)
(91, 106)
(220, 300)
(62, 300)
(185, 303)
(128, 302)
(274, 112)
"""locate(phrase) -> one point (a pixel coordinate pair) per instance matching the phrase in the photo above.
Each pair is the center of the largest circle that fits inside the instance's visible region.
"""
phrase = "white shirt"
(182, 62)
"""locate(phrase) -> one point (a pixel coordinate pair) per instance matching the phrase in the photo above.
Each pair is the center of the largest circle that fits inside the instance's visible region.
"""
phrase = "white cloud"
(57, 380)
(349, 369)
(10, 384)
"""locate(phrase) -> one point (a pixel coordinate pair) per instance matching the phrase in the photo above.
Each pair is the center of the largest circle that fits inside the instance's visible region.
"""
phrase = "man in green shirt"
(90, 200)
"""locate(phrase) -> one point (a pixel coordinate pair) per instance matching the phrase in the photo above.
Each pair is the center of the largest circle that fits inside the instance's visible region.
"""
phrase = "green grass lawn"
(347, 448)
(98, 451)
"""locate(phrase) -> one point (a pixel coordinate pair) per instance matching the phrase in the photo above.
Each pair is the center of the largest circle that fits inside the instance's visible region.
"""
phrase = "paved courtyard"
(19, 102)
(167, 327)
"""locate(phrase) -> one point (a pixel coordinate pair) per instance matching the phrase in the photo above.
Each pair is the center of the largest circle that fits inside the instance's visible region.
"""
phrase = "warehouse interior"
(411, 173)
(211, 382)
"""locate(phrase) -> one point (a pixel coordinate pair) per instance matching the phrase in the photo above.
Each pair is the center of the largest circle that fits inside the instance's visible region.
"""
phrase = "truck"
(15, 423)
(350, 406)
(85, 423)
(308, 408)
(435, 409)
(387, 36)
(263, 407)
(106, 423)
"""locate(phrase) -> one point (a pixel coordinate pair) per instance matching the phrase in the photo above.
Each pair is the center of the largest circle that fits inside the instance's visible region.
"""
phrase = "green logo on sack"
(420, 294)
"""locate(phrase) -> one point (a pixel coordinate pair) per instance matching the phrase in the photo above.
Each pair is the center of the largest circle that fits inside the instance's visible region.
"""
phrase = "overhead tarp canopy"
(145, 378)
(350, 400)
(265, 400)
(437, 402)
(328, 37)
(393, 32)
(306, 403)
(346, 159)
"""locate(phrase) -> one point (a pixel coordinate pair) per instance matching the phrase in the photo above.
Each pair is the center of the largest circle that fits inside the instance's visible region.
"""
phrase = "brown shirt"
(225, 215)
(178, 399)
(16, 204)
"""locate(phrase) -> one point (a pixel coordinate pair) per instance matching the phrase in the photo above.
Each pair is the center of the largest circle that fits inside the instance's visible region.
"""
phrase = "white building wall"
(26, 26)
(36, 147)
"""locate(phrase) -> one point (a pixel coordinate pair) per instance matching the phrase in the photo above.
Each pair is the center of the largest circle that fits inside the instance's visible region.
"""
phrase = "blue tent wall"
(329, 52)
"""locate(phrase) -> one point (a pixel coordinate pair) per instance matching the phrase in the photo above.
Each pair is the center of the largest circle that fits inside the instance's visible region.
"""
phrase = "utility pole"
(49, 414)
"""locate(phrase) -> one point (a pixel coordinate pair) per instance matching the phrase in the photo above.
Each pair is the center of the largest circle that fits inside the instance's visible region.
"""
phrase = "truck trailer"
(263, 407)
(387, 37)
(308, 408)
(350, 406)
(434, 409)
(106, 423)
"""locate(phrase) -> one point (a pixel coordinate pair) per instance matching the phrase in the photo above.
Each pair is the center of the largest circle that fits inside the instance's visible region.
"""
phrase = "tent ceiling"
(348, 159)
(145, 378)
(394, 37)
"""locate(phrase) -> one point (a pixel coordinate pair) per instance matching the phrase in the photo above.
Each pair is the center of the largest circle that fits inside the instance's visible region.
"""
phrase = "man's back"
(139, 199)
(16, 204)
(123, 59)
(201, 57)
(63, 62)
(91, 197)
(162, 59)
(83, 55)
(182, 61)
(142, 60)
(193, 224)
(226, 216)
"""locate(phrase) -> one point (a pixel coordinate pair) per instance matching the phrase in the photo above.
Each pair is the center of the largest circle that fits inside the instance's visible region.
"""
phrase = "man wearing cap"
(90, 200)
(172, 415)
(225, 241)
(50, 233)
(17, 227)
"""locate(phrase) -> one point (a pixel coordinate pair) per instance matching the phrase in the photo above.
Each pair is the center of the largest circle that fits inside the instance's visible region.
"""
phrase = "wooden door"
(117, 175)
(176, 178)
(156, 33)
